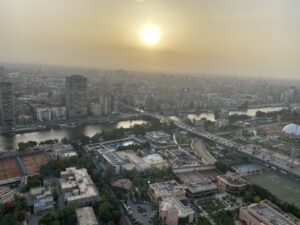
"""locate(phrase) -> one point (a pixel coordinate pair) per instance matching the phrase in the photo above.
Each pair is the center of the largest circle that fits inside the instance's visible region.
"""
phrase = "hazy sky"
(246, 37)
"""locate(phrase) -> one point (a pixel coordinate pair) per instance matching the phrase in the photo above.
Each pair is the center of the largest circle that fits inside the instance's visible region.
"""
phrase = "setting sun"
(150, 35)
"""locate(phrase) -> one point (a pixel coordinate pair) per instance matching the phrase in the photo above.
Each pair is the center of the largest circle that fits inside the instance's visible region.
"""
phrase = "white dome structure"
(292, 129)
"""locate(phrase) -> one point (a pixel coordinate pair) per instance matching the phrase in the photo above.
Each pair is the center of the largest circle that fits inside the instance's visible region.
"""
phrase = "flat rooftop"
(204, 186)
(233, 179)
(86, 216)
(168, 188)
(173, 202)
(113, 158)
(158, 134)
(113, 144)
(77, 184)
(272, 213)
(191, 177)
(247, 168)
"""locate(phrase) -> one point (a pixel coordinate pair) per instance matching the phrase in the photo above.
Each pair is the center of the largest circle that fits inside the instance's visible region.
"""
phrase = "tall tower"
(7, 106)
(76, 96)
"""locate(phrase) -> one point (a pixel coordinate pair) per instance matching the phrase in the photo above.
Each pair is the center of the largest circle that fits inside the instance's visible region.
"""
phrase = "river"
(249, 112)
(11, 142)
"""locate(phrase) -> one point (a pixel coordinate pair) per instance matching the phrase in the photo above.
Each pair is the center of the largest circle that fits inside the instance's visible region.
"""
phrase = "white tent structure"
(292, 129)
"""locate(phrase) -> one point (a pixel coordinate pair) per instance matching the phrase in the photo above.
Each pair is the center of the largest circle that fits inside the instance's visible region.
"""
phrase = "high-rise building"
(7, 106)
(76, 96)
(2, 71)
(185, 99)
(107, 103)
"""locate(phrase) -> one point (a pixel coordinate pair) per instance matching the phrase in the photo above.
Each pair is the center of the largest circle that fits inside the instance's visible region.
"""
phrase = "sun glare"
(150, 35)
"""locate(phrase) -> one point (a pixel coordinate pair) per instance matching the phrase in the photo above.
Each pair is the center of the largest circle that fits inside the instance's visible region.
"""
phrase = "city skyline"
(252, 38)
(149, 112)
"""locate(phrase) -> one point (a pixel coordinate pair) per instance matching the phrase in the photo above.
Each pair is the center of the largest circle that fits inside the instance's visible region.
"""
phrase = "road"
(267, 158)
(203, 153)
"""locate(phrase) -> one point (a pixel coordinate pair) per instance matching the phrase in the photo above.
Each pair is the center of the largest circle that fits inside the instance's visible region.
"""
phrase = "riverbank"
(19, 129)
(8, 143)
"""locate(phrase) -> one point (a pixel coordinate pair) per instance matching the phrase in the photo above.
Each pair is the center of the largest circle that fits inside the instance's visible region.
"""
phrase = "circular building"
(292, 129)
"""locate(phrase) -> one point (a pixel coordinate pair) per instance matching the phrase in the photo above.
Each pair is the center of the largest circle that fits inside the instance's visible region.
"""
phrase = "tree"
(22, 146)
(51, 218)
(65, 141)
(34, 181)
(105, 212)
(203, 221)
(256, 199)
(9, 219)
(247, 196)
(69, 215)
(111, 223)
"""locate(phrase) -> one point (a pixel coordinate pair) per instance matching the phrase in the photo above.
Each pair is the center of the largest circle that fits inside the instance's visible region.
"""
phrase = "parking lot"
(140, 213)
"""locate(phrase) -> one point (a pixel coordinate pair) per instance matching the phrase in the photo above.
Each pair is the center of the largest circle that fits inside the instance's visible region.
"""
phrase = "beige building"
(204, 189)
(172, 211)
(266, 213)
(231, 182)
(159, 191)
(6, 194)
(77, 187)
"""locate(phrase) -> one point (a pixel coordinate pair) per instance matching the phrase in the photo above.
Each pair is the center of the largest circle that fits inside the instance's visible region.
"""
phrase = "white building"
(48, 114)
(43, 114)
(77, 187)
(42, 199)
(60, 151)
(292, 129)
(159, 137)
(111, 162)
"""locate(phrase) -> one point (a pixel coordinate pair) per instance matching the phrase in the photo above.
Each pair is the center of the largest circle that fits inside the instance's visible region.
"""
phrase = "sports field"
(9, 168)
(281, 186)
(34, 161)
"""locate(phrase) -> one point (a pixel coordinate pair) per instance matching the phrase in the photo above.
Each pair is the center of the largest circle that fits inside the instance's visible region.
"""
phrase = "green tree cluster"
(67, 216)
(22, 146)
(13, 213)
(255, 193)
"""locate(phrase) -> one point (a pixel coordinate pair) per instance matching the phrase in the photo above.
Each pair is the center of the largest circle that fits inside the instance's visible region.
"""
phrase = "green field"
(279, 185)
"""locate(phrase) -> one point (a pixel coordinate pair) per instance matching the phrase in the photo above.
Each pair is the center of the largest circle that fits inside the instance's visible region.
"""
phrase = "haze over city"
(149, 112)
(251, 37)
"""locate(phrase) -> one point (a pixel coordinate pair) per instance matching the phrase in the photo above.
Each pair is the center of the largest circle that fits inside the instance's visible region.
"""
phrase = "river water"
(249, 112)
(11, 142)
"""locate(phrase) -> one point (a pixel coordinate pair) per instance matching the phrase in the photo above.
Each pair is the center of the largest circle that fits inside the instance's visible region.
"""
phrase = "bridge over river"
(265, 158)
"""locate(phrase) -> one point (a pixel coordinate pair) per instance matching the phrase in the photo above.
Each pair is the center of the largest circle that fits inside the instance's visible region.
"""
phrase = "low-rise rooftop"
(77, 185)
(173, 202)
(267, 213)
(86, 216)
(168, 188)
(204, 186)
(232, 179)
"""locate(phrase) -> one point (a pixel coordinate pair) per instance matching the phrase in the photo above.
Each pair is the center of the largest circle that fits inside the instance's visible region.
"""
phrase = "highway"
(266, 157)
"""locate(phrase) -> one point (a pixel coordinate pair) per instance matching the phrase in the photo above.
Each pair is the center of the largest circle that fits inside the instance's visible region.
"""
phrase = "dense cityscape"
(89, 147)
(149, 112)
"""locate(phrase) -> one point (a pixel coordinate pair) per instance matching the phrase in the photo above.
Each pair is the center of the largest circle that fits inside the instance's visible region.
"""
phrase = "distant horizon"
(154, 72)
(242, 38)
